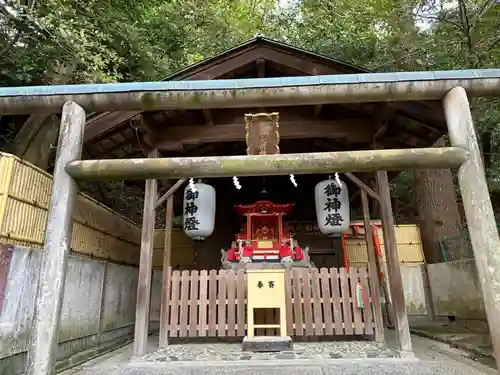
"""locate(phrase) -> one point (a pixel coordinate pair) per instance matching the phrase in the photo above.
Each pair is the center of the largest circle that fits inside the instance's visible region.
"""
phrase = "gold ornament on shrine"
(262, 133)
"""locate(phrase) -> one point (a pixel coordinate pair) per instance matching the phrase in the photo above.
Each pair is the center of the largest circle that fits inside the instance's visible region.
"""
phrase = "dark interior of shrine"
(278, 189)
(324, 251)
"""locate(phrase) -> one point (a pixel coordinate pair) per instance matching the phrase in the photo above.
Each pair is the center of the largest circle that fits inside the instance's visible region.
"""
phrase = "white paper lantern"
(199, 211)
(332, 207)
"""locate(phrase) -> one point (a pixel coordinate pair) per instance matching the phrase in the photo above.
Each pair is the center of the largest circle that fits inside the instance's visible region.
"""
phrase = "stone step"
(352, 366)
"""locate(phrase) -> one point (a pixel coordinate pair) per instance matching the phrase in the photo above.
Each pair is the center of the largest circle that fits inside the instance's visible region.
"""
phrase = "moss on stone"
(148, 100)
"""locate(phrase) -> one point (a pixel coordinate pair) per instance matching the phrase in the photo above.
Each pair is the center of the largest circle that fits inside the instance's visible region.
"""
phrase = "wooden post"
(170, 192)
(382, 266)
(372, 270)
(362, 186)
(429, 301)
(50, 291)
(375, 209)
(165, 290)
(478, 209)
(393, 265)
(145, 266)
(389, 308)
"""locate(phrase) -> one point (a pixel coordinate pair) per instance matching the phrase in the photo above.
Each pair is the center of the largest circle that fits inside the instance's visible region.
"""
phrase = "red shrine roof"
(264, 207)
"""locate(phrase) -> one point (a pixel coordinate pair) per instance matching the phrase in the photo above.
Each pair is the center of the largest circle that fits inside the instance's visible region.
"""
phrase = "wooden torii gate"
(452, 87)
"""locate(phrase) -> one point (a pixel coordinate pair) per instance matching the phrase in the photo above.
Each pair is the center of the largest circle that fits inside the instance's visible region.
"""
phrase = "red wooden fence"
(321, 303)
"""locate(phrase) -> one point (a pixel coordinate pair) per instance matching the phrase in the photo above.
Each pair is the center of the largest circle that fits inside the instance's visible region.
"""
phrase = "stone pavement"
(354, 358)
(304, 351)
(470, 335)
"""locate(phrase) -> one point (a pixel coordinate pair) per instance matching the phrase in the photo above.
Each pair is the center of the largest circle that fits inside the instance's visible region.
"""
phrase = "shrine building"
(221, 131)
(310, 222)
(267, 205)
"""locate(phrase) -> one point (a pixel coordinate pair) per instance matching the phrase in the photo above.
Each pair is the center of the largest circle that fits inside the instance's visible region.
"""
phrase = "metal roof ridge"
(250, 83)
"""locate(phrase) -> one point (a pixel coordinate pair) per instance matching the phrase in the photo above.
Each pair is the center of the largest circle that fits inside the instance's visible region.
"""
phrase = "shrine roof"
(264, 207)
(273, 64)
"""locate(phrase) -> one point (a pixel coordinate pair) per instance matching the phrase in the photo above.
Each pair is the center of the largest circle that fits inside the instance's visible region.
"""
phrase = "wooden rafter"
(173, 137)
(360, 184)
(317, 110)
(208, 117)
(267, 56)
(170, 191)
(144, 123)
(99, 126)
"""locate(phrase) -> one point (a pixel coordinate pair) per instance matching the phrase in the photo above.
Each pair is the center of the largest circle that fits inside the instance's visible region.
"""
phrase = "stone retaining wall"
(456, 290)
(98, 310)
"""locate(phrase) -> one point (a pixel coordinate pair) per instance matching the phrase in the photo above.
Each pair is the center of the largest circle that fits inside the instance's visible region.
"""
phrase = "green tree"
(68, 41)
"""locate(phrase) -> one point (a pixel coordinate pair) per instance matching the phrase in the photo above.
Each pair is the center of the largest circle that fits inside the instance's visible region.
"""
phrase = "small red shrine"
(263, 237)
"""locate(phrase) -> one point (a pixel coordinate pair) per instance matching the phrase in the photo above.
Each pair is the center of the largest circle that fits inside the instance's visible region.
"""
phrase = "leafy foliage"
(120, 40)
(70, 41)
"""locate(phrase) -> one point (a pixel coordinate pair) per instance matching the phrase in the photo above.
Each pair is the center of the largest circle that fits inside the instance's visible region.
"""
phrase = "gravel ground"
(232, 352)
(436, 358)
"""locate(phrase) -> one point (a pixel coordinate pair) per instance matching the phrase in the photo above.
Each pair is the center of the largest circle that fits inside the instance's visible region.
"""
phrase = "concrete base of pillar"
(267, 344)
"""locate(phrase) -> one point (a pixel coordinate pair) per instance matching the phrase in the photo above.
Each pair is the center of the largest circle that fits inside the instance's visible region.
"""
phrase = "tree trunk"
(35, 140)
(436, 202)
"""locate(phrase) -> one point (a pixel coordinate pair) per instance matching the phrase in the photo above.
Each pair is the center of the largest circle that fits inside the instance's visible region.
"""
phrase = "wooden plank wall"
(323, 303)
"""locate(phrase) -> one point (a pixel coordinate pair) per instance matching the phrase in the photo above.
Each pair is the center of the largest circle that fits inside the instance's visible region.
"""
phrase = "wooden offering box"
(266, 290)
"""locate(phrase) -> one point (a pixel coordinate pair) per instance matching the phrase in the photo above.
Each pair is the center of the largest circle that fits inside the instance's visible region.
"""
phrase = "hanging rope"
(191, 185)
(337, 180)
(236, 183)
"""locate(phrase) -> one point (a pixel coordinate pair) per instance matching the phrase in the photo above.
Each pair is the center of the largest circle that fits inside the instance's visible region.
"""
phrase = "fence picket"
(241, 302)
(327, 301)
(306, 293)
(316, 298)
(193, 305)
(183, 318)
(336, 302)
(346, 301)
(231, 303)
(358, 320)
(202, 329)
(212, 303)
(174, 303)
(297, 303)
(221, 304)
(367, 310)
